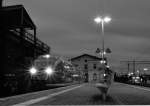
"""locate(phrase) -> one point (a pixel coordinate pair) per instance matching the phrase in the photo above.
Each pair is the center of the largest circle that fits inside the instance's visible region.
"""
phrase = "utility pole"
(128, 67)
(134, 62)
(134, 66)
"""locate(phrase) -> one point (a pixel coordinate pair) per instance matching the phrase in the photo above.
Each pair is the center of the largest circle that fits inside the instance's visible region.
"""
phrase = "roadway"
(82, 94)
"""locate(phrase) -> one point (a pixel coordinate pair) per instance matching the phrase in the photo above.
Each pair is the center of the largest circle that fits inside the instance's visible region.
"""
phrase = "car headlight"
(33, 71)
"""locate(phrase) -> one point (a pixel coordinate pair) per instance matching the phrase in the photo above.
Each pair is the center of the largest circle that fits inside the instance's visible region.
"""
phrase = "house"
(89, 66)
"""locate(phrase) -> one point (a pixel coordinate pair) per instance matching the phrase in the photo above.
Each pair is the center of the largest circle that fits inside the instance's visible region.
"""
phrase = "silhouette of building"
(19, 46)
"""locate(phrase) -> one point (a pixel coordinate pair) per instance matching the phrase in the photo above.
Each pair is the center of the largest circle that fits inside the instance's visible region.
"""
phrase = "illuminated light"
(67, 67)
(133, 77)
(98, 20)
(75, 75)
(104, 52)
(33, 70)
(46, 56)
(49, 70)
(108, 66)
(104, 75)
(102, 61)
(145, 69)
(107, 19)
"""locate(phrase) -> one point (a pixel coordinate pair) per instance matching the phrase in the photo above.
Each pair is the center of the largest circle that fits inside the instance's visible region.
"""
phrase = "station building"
(88, 66)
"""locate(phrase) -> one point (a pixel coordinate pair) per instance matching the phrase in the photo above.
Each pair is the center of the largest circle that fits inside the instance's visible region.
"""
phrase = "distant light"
(108, 66)
(107, 19)
(104, 52)
(75, 75)
(46, 56)
(98, 20)
(49, 70)
(133, 77)
(33, 70)
(67, 67)
(145, 69)
(102, 61)
(104, 75)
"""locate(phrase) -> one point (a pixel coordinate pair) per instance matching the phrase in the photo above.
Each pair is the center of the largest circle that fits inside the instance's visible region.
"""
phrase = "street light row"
(102, 19)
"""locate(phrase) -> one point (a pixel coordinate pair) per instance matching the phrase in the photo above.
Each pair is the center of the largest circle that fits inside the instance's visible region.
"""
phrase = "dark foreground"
(83, 94)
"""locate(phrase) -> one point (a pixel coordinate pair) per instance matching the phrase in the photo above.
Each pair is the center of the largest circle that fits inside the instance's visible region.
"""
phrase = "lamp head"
(98, 20)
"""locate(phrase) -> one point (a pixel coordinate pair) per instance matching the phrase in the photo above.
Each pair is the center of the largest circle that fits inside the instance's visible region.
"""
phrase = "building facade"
(88, 66)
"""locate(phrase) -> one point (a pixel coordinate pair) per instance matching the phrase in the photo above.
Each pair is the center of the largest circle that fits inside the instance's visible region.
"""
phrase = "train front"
(42, 69)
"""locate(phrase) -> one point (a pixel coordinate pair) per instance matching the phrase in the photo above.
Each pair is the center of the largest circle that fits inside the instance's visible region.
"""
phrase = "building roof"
(94, 57)
(15, 16)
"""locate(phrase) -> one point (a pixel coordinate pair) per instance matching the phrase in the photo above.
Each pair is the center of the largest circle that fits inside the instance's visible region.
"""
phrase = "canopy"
(16, 16)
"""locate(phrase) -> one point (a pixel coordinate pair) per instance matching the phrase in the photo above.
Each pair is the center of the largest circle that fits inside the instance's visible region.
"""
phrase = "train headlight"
(49, 71)
(33, 70)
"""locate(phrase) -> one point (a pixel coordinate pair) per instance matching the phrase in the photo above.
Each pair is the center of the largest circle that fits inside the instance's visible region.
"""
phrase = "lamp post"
(102, 20)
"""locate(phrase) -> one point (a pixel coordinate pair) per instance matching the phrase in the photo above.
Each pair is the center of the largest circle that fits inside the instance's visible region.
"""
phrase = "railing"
(29, 37)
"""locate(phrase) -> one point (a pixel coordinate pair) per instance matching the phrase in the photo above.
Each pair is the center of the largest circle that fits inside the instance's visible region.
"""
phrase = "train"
(48, 69)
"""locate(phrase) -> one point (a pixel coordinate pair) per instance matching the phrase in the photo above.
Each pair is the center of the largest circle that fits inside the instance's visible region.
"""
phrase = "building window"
(85, 66)
(85, 60)
(94, 76)
(94, 66)
(76, 65)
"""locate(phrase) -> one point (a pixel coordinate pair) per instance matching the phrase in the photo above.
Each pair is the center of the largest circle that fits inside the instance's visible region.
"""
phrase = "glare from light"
(49, 71)
(75, 75)
(103, 20)
(47, 56)
(33, 71)
(145, 69)
(107, 19)
(133, 77)
(98, 20)
(102, 61)
(104, 52)
(129, 74)
(108, 66)
(67, 67)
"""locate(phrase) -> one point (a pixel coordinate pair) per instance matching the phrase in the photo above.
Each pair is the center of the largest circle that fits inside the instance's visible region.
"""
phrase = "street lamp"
(102, 20)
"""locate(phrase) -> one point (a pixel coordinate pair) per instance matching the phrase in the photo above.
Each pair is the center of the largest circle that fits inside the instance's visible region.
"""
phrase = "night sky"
(68, 27)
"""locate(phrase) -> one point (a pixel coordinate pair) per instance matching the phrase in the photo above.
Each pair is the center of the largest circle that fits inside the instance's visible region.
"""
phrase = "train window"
(85, 66)
(85, 60)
